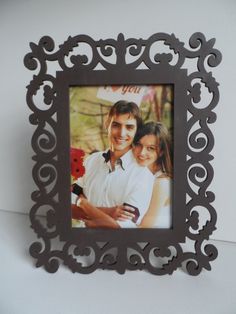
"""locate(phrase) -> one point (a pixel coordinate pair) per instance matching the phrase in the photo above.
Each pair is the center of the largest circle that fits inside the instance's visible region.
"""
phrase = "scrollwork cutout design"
(123, 55)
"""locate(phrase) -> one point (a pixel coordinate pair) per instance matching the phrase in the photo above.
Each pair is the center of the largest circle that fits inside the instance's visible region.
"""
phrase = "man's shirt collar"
(123, 161)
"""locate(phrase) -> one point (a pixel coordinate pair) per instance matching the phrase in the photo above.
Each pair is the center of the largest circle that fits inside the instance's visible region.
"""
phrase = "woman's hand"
(122, 213)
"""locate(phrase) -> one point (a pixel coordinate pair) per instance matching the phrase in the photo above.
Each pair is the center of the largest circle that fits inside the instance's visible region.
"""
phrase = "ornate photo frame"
(83, 61)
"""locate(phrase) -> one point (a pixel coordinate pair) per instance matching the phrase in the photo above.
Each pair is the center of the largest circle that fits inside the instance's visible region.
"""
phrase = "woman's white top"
(163, 218)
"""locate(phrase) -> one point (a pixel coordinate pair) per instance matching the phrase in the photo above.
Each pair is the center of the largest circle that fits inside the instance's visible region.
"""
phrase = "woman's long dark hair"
(161, 132)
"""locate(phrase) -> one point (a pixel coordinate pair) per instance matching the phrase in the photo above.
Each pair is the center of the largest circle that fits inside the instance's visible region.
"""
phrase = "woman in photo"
(152, 149)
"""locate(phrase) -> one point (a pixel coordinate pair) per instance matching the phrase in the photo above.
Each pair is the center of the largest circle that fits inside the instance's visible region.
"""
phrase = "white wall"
(23, 21)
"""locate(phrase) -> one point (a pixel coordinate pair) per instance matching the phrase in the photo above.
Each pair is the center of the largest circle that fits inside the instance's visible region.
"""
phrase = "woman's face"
(146, 150)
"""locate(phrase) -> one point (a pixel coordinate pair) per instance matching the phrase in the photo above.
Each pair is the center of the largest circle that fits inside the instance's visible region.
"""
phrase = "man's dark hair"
(123, 107)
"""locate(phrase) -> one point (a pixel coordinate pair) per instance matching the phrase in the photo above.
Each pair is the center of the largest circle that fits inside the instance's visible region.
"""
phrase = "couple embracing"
(128, 185)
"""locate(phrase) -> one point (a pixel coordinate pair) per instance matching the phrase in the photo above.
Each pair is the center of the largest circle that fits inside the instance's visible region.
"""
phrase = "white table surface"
(25, 289)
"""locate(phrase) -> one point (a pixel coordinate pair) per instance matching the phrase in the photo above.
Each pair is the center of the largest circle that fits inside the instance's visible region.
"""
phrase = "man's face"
(121, 132)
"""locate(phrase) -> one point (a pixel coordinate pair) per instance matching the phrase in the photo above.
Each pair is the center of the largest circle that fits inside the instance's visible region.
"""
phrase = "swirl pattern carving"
(157, 255)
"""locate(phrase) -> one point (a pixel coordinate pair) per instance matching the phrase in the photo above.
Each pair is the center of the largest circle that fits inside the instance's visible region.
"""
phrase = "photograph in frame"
(134, 190)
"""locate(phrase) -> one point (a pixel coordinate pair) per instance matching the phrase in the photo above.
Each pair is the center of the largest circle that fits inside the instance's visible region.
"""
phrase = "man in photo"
(113, 179)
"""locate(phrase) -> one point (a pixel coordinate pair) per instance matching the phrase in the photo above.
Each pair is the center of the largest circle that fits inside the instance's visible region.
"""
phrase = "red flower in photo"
(76, 162)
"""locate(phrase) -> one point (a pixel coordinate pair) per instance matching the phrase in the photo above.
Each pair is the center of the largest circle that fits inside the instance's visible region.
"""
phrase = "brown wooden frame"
(160, 251)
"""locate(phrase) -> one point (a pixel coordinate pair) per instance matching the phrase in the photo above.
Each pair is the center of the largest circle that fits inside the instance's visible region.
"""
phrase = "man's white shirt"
(128, 183)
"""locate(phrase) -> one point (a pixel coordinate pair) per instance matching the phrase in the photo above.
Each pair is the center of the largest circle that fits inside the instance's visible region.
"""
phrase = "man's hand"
(78, 213)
